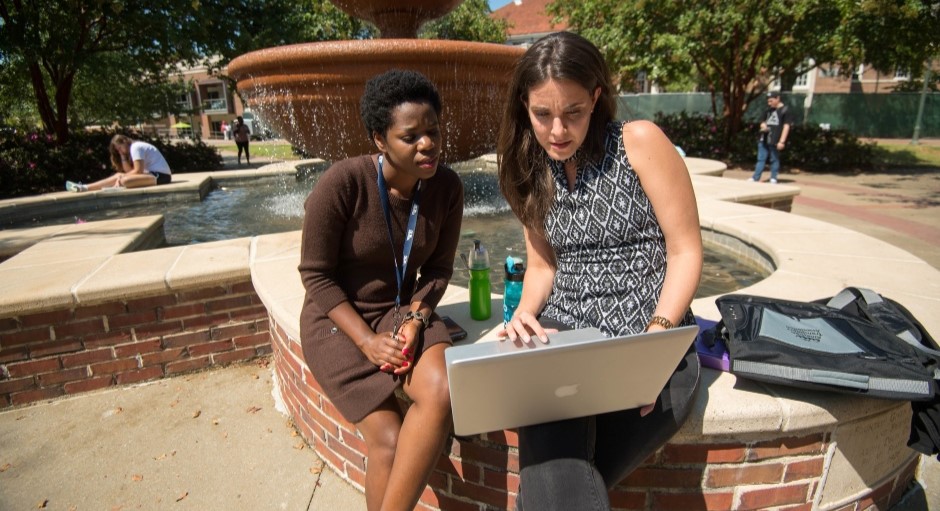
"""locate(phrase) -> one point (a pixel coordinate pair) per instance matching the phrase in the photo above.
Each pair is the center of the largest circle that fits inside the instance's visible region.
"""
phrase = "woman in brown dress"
(372, 224)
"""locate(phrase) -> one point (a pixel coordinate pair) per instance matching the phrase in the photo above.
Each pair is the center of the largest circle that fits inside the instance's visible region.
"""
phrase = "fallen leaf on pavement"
(164, 455)
(253, 409)
(215, 422)
(315, 470)
(182, 496)
(197, 413)
(137, 477)
(299, 446)
(6, 467)
(42, 504)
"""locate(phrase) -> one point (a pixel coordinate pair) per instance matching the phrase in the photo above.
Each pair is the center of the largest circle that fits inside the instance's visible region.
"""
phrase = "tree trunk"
(46, 114)
(55, 118)
(63, 95)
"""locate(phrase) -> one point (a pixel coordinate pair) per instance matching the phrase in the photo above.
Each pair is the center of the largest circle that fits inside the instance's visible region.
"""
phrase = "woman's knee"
(435, 390)
(429, 385)
(380, 430)
(382, 443)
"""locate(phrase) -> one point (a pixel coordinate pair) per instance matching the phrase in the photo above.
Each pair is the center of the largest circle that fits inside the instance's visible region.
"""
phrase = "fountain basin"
(310, 92)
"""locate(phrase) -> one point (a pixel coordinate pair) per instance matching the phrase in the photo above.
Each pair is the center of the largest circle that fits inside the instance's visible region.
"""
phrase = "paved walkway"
(213, 441)
(901, 207)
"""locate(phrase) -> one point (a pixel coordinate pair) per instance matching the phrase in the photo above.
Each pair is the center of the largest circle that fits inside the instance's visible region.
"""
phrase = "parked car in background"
(259, 130)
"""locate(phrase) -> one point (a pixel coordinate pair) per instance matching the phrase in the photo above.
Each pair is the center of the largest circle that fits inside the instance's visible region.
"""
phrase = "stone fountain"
(310, 92)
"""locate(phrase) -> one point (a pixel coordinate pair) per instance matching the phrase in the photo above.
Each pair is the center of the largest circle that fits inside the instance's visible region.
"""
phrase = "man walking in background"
(774, 131)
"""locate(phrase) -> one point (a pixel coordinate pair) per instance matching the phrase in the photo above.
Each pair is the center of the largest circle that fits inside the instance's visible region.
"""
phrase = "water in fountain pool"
(486, 217)
(273, 205)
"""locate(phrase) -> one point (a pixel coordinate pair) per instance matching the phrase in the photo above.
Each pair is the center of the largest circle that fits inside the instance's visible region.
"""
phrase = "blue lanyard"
(409, 235)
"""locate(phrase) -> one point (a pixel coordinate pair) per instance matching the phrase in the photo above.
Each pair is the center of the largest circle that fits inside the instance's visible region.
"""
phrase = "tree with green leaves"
(736, 49)
(889, 34)
(470, 21)
(51, 42)
(106, 60)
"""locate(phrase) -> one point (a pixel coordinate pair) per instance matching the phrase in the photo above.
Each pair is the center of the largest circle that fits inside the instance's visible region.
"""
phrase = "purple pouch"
(711, 348)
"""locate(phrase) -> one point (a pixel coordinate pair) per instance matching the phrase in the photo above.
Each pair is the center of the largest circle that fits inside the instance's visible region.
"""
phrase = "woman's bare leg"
(380, 430)
(138, 180)
(107, 182)
(426, 426)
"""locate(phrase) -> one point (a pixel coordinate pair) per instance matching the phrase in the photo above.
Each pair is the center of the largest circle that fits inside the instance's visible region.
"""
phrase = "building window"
(859, 73)
(802, 81)
(830, 71)
(902, 74)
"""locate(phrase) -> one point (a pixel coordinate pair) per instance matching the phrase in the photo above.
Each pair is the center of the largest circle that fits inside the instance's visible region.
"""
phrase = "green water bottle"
(479, 262)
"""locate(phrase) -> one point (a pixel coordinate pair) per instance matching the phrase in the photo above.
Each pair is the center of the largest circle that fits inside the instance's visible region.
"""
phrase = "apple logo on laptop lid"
(567, 390)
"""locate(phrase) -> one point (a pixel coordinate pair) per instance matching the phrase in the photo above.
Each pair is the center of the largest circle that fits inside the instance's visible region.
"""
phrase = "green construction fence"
(866, 115)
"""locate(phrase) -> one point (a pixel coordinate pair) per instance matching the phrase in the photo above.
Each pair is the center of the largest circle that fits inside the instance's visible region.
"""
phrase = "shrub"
(829, 150)
(33, 163)
(808, 146)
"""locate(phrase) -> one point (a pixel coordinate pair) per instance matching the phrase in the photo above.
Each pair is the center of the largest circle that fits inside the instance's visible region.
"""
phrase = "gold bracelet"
(661, 321)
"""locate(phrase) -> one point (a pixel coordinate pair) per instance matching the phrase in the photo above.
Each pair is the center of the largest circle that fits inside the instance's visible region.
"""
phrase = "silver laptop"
(500, 385)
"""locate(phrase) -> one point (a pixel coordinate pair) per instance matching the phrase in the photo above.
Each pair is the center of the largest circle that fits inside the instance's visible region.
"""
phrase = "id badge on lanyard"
(409, 238)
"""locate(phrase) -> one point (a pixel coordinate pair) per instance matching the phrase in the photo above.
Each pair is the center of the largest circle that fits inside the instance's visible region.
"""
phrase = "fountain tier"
(310, 92)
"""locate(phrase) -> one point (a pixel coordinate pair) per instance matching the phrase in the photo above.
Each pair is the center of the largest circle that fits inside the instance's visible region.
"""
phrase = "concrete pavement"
(213, 440)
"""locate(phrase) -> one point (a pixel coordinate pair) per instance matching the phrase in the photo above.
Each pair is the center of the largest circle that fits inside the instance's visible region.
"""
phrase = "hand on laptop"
(524, 326)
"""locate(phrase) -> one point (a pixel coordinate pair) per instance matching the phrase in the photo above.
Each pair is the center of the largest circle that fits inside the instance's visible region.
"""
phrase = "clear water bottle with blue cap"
(513, 274)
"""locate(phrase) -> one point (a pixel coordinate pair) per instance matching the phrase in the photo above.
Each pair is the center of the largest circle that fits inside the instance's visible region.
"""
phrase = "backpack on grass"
(856, 342)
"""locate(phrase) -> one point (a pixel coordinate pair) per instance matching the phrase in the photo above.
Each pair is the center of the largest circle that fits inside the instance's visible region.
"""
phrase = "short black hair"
(386, 91)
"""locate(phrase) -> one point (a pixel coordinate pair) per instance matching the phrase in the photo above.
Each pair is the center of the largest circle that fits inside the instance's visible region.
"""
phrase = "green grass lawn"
(275, 151)
(902, 154)
(898, 153)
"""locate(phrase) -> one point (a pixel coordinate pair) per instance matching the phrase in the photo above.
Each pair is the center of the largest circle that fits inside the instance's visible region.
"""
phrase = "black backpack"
(856, 342)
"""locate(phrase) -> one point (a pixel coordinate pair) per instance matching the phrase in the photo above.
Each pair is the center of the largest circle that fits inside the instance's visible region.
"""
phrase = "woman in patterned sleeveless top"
(613, 242)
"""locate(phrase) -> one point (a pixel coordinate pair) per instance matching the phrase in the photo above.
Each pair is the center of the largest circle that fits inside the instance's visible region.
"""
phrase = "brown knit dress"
(345, 255)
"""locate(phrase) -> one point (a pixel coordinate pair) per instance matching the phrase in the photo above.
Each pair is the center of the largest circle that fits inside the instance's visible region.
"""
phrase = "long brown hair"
(118, 141)
(524, 177)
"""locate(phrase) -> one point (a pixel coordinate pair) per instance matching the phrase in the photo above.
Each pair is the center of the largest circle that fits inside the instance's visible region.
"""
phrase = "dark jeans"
(571, 464)
(241, 146)
(766, 151)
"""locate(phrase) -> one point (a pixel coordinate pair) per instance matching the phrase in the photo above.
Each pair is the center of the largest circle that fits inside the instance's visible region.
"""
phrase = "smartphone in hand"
(456, 331)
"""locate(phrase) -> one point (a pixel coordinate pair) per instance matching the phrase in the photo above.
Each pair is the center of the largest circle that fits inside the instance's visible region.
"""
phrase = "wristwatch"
(416, 315)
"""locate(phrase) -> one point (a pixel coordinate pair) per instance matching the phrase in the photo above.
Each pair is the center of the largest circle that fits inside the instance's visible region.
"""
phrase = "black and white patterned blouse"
(609, 248)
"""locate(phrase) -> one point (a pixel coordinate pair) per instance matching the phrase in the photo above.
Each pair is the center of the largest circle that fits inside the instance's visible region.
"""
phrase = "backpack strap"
(828, 377)
(890, 316)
